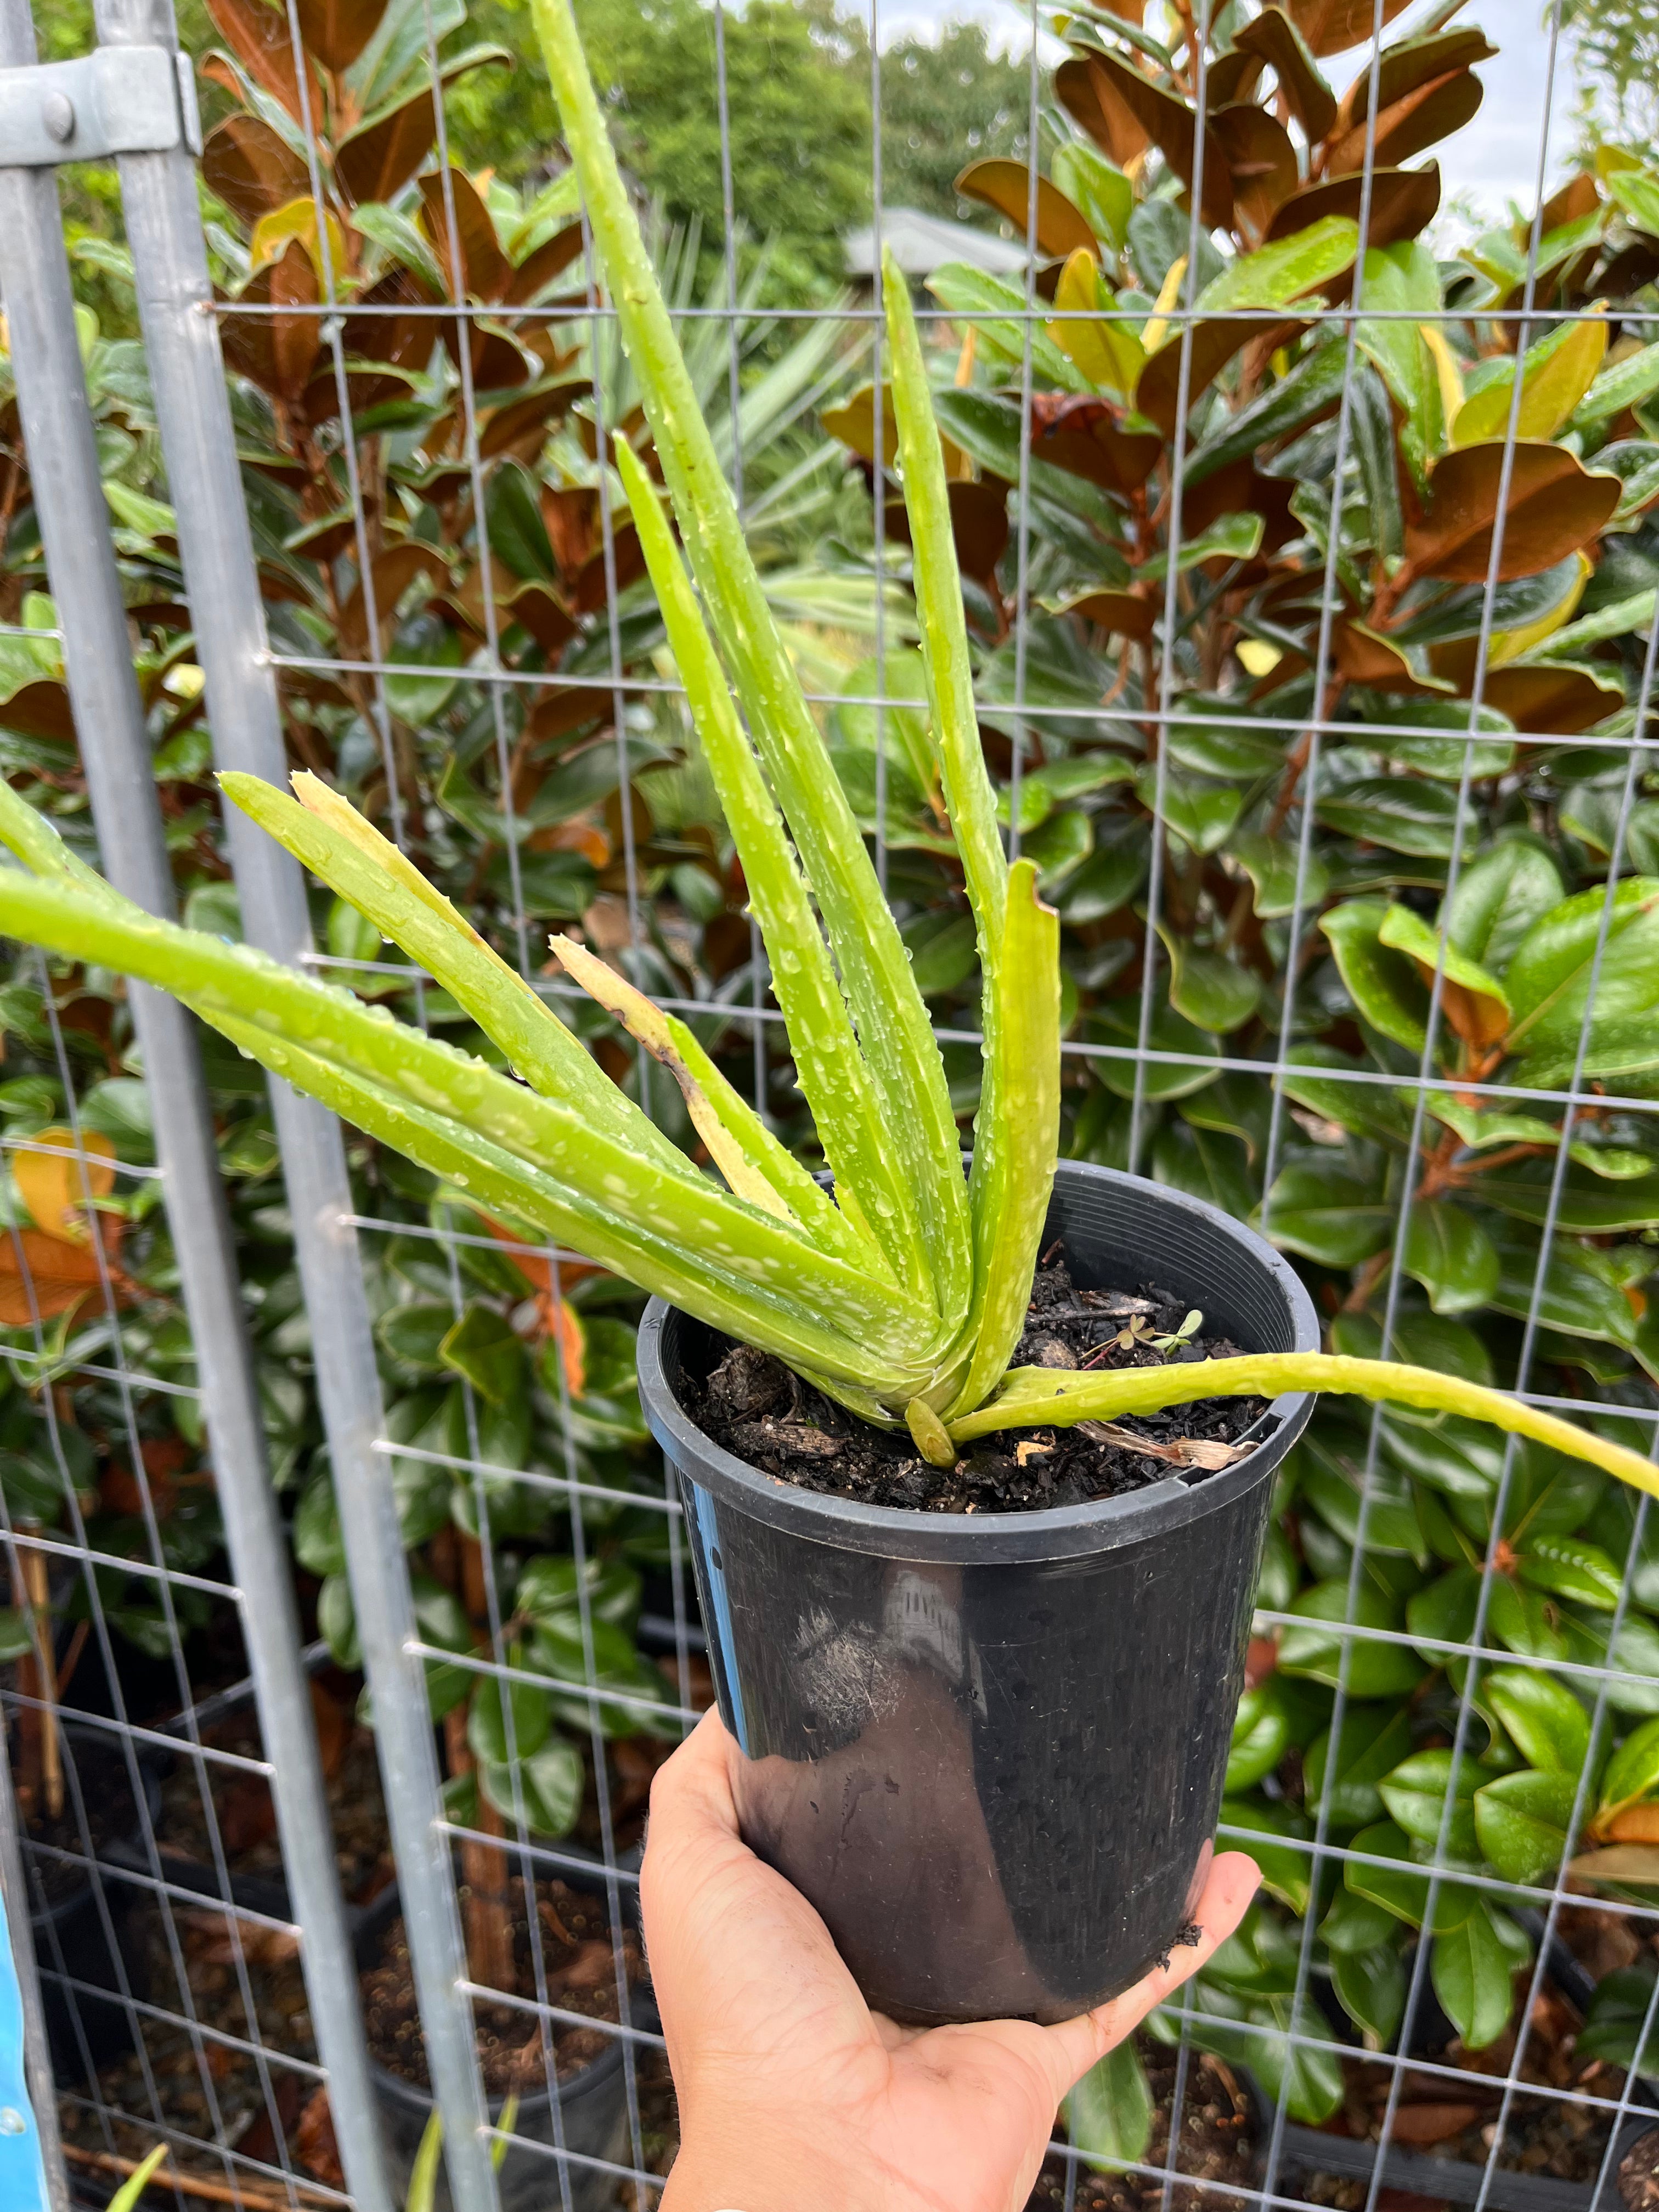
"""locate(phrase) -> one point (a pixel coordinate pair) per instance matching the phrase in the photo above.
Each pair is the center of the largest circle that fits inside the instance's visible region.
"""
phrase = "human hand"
(794, 2095)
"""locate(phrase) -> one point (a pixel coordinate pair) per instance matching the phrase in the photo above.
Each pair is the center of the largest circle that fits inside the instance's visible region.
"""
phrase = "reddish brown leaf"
(1407, 68)
(399, 341)
(314, 2144)
(393, 572)
(591, 588)
(1121, 612)
(979, 525)
(336, 32)
(498, 361)
(1551, 702)
(485, 271)
(376, 162)
(564, 713)
(252, 168)
(1362, 656)
(1271, 38)
(276, 351)
(537, 270)
(1232, 77)
(1170, 125)
(1061, 228)
(50, 1275)
(333, 1729)
(1331, 27)
(1577, 198)
(1157, 395)
(365, 388)
(258, 36)
(1555, 505)
(1637, 265)
(1262, 163)
(40, 710)
(535, 609)
(1404, 202)
(1433, 2123)
(1089, 96)
(1422, 117)
(520, 427)
(1082, 436)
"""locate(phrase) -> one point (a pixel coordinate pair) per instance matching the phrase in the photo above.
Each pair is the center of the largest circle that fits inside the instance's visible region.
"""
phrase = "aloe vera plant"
(904, 1295)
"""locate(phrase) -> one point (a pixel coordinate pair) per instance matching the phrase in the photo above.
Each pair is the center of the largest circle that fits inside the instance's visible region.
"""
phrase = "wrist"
(750, 2164)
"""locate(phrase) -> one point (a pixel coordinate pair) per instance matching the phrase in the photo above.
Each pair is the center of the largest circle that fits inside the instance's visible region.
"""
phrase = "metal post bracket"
(130, 100)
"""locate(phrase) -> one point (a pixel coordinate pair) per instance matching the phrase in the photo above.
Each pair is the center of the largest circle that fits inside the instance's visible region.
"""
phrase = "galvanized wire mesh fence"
(476, 1522)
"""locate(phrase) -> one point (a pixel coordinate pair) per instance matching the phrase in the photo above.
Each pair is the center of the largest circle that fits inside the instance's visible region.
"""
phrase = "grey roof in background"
(921, 242)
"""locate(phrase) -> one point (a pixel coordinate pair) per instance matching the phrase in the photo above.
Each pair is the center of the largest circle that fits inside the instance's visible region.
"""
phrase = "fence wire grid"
(418, 626)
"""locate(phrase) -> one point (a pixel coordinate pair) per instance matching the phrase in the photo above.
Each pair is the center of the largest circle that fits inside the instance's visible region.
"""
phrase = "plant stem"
(1038, 1396)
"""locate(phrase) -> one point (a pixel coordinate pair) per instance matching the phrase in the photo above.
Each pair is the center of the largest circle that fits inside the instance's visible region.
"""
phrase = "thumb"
(1076, 2045)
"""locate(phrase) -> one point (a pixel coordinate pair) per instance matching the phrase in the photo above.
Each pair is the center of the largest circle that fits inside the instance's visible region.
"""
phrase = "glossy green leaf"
(1385, 984)
(1375, 1668)
(1549, 1726)
(1633, 1770)
(1521, 1821)
(1109, 2115)
(1397, 812)
(1261, 1733)
(1328, 1216)
(1371, 1987)
(1473, 1967)
(1415, 1794)
(1448, 1251)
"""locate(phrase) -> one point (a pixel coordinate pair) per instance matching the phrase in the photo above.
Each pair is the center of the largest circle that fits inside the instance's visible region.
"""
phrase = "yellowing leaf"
(1446, 371)
(51, 1185)
(1556, 373)
(1510, 644)
(1109, 353)
(297, 220)
(1158, 328)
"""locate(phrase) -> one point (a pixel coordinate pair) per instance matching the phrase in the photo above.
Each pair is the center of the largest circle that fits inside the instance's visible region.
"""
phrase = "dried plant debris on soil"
(1544, 2133)
(758, 1408)
(578, 1961)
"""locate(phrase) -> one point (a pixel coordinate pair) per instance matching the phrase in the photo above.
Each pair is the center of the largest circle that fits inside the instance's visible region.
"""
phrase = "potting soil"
(763, 1412)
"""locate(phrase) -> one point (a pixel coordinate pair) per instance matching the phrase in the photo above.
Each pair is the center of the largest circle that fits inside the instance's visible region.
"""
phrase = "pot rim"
(1059, 1532)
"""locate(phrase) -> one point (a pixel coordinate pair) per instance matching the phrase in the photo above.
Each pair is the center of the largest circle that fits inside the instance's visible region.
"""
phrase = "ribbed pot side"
(990, 1750)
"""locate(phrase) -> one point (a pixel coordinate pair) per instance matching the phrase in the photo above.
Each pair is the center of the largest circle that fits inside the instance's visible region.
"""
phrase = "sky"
(1491, 159)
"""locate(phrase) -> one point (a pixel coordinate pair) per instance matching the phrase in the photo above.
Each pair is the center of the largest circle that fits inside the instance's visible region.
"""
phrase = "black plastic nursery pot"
(85, 1941)
(990, 1750)
(592, 2114)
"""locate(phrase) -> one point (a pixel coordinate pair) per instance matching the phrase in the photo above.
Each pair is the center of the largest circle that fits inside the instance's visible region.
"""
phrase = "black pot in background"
(990, 1750)
(592, 2102)
(81, 1937)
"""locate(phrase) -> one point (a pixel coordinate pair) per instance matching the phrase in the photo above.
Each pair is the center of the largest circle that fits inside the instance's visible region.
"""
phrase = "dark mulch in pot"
(110, 1813)
(578, 1963)
(755, 1406)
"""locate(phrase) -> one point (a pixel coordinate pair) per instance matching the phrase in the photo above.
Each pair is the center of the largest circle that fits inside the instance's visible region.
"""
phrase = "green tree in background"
(943, 105)
(797, 82)
(1617, 43)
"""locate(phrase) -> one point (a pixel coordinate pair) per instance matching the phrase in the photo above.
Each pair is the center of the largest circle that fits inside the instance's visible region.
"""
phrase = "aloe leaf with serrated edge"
(1017, 1131)
(829, 1065)
(892, 1021)
(326, 835)
(755, 1165)
(534, 1156)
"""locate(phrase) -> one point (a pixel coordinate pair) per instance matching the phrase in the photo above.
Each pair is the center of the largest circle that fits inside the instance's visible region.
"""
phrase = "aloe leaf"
(321, 1038)
(43, 852)
(892, 1019)
(1044, 1395)
(667, 1264)
(829, 1065)
(1017, 1133)
(326, 835)
(755, 1165)
(969, 797)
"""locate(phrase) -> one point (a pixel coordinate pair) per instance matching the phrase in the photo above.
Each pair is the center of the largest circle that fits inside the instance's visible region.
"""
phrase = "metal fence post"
(164, 233)
(117, 757)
